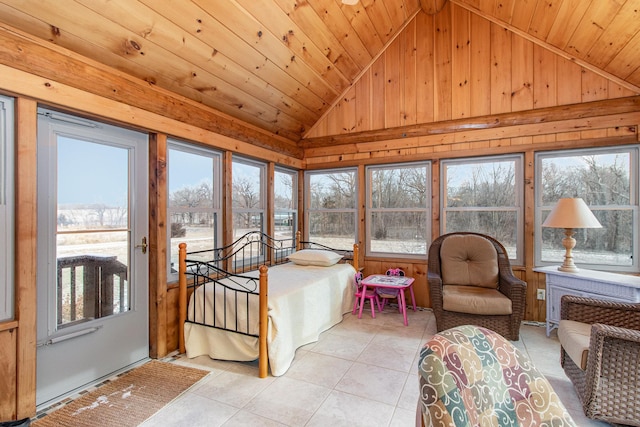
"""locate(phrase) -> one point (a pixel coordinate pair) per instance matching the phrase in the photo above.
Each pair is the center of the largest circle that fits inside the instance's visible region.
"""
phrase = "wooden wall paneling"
(460, 64)
(362, 101)
(335, 120)
(594, 87)
(394, 64)
(378, 87)
(521, 74)
(172, 302)
(158, 245)
(25, 249)
(570, 84)
(442, 57)
(544, 70)
(409, 81)
(618, 91)
(504, 10)
(363, 25)
(8, 370)
(501, 61)
(349, 111)
(480, 66)
(424, 68)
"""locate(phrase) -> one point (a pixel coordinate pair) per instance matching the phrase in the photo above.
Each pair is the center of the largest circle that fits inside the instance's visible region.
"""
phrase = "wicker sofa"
(600, 353)
(472, 376)
(471, 282)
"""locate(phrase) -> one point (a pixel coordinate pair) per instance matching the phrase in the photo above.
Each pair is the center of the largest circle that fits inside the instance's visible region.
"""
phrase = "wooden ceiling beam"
(33, 55)
(495, 121)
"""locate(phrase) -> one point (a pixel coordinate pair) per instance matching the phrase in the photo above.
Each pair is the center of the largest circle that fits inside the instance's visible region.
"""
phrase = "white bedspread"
(303, 302)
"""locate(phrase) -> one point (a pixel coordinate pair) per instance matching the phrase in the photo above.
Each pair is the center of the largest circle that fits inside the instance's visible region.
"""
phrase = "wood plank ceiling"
(279, 65)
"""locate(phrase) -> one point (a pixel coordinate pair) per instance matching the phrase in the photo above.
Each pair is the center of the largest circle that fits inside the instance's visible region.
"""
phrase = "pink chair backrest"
(357, 280)
(395, 272)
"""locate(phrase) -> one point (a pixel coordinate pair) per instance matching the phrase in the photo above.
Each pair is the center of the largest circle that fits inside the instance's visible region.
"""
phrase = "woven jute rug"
(128, 400)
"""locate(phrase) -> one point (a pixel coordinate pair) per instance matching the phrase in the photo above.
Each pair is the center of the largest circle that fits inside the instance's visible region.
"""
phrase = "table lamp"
(570, 213)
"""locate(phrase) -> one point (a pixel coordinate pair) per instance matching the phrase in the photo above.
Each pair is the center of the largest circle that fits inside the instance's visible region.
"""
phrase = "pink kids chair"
(371, 295)
(388, 294)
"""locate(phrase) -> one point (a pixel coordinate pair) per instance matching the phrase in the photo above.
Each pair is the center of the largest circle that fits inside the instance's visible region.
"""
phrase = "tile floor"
(362, 372)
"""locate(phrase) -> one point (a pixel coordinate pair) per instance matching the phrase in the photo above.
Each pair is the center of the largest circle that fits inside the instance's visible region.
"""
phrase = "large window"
(607, 180)
(484, 195)
(331, 199)
(195, 181)
(6, 208)
(398, 209)
(248, 198)
(285, 189)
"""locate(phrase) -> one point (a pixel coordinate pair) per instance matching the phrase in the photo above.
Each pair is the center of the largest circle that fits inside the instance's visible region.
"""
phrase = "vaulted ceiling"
(279, 65)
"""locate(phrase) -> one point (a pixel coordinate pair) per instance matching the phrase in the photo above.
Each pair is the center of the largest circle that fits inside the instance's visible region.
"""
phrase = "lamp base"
(569, 243)
(568, 269)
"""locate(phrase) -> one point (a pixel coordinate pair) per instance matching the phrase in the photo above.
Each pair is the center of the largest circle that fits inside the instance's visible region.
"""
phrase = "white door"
(92, 262)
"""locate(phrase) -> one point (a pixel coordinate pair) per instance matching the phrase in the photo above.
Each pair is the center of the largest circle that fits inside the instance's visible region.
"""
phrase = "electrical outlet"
(540, 294)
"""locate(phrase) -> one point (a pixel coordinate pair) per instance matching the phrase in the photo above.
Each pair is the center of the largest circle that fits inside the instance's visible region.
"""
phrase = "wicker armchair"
(607, 377)
(485, 262)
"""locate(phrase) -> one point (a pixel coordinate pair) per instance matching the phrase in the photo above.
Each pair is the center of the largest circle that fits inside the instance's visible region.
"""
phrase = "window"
(331, 199)
(248, 200)
(607, 180)
(195, 182)
(6, 208)
(484, 195)
(285, 189)
(398, 205)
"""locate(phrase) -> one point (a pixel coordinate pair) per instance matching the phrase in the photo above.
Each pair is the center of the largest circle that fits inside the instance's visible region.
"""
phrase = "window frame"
(293, 209)
(215, 210)
(261, 210)
(370, 209)
(307, 200)
(7, 209)
(634, 204)
(518, 159)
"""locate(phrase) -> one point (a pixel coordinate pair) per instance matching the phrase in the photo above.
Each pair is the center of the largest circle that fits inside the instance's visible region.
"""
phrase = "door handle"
(143, 245)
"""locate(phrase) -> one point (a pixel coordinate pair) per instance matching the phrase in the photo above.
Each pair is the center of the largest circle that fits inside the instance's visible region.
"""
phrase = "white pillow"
(317, 257)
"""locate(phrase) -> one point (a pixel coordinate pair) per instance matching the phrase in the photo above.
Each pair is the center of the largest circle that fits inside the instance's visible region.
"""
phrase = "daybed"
(267, 313)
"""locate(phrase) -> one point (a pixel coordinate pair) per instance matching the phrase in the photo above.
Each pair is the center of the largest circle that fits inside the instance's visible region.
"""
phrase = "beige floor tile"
(373, 382)
(346, 410)
(288, 401)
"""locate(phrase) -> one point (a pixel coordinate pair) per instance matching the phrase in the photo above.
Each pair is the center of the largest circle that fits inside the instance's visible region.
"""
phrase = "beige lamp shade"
(570, 213)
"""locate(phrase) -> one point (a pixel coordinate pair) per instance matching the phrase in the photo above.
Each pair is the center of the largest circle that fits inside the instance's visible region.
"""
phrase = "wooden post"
(356, 255)
(263, 358)
(182, 293)
(298, 240)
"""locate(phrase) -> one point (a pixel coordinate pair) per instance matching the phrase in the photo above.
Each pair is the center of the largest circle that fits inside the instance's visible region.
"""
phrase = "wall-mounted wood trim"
(158, 245)
(550, 120)
(26, 255)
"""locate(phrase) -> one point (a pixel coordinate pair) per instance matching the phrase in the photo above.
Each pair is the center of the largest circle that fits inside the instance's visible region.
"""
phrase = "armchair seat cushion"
(475, 300)
(574, 338)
